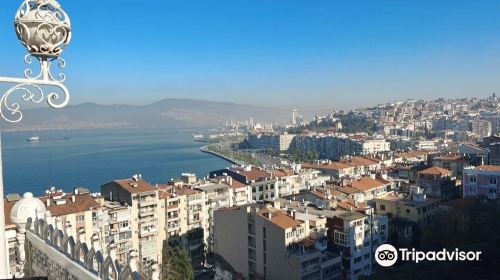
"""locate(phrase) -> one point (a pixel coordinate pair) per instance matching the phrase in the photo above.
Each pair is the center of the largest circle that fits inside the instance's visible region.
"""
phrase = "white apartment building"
(119, 228)
(262, 183)
(356, 236)
(217, 196)
(481, 181)
(147, 218)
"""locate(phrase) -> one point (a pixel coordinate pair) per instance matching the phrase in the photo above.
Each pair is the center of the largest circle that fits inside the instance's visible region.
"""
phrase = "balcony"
(173, 217)
(147, 212)
(173, 226)
(218, 197)
(318, 233)
(147, 232)
(146, 203)
(329, 259)
(148, 248)
(150, 222)
(194, 221)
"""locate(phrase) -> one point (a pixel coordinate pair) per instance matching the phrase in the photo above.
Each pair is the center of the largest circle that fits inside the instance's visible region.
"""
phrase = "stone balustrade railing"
(54, 253)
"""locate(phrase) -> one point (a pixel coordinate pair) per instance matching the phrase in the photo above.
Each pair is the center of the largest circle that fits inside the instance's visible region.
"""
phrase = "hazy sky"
(281, 53)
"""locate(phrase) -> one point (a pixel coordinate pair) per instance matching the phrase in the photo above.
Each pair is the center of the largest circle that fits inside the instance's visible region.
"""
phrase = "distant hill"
(162, 114)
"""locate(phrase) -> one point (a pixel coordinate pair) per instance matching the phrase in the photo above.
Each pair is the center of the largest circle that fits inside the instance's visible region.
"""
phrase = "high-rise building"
(259, 240)
(295, 115)
(147, 219)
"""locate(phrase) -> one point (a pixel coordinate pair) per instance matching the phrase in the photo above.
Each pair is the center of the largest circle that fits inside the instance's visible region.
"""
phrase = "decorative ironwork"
(44, 28)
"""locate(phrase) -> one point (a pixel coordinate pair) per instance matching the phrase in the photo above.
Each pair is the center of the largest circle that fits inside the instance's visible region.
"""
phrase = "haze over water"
(91, 158)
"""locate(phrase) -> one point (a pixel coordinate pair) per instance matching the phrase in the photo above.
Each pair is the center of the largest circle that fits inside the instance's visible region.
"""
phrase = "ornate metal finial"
(43, 27)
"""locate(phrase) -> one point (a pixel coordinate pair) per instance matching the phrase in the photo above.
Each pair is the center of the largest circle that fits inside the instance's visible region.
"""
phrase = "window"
(408, 211)
(466, 216)
(382, 207)
(80, 218)
(493, 181)
(473, 179)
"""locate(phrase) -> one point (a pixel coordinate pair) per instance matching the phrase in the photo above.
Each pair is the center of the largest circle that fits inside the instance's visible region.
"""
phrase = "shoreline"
(205, 149)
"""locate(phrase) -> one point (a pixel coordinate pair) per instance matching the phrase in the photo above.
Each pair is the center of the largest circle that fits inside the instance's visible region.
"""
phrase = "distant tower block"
(295, 114)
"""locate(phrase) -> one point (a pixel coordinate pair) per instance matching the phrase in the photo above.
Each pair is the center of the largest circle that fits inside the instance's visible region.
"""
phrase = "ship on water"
(33, 139)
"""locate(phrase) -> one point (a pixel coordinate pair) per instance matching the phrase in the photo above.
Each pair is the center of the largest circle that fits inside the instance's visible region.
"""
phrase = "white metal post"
(4, 268)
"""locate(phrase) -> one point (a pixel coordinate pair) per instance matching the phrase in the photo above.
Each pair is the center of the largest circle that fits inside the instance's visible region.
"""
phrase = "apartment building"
(287, 181)
(262, 183)
(438, 182)
(370, 187)
(119, 228)
(481, 181)
(276, 142)
(481, 127)
(217, 196)
(193, 235)
(259, 240)
(342, 218)
(417, 207)
(456, 163)
(239, 193)
(459, 216)
(405, 212)
(337, 170)
(308, 178)
(147, 218)
(78, 213)
(356, 236)
(82, 211)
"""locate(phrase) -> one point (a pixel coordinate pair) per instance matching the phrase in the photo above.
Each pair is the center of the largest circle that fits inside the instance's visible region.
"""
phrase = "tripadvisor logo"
(386, 255)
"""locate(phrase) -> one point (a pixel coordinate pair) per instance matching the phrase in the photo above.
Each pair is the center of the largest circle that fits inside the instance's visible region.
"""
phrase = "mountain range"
(166, 113)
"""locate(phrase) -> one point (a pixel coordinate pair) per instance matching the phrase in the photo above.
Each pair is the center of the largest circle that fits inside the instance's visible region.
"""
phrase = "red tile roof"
(279, 218)
(133, 186)
(452, 157)
(327, 166)
(252, 175)
(489, 167)
(361, 161)
(366, 184)
(435, 170)
(283, 172)
(83, 202)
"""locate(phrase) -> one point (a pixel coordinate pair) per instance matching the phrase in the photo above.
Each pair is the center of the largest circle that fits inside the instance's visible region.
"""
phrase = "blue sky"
(287, 53)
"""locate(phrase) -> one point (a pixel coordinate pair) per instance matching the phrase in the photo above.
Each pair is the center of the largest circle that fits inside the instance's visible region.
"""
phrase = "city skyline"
(280, 53)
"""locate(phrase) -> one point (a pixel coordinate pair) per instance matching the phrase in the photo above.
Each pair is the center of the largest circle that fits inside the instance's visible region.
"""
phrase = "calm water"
(91, 158)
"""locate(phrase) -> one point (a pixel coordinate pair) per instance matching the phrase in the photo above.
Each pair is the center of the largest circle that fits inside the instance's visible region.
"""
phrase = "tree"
(176, 265)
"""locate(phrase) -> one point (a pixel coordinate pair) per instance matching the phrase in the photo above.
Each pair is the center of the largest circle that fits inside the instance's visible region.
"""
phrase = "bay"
(90, 158)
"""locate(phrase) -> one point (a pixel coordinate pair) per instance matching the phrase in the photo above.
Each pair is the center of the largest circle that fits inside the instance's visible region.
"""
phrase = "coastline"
(205, 149)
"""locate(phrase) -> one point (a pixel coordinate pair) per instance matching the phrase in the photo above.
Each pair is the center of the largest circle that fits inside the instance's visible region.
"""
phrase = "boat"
(33, 139)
